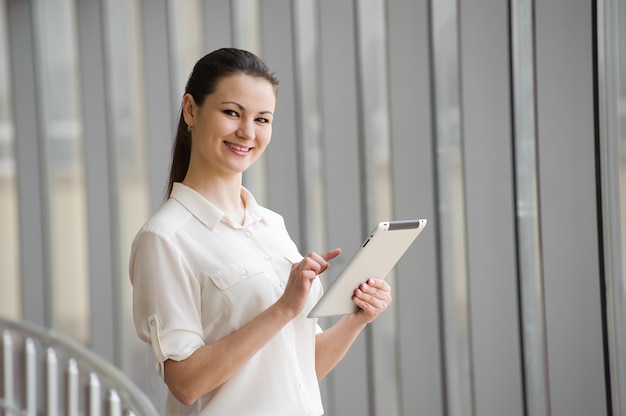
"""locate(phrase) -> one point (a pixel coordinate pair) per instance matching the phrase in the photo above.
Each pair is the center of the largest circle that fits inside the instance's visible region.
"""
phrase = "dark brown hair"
(205, 76)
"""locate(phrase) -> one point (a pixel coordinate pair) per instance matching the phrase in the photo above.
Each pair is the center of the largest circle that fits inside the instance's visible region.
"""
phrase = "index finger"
(331, 254)
(322, 259)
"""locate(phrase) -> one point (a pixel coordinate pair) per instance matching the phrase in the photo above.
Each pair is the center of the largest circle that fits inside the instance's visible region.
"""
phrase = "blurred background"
(502, 123)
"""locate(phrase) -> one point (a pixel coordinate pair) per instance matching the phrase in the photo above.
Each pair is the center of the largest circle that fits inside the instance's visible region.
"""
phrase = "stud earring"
(189, 129)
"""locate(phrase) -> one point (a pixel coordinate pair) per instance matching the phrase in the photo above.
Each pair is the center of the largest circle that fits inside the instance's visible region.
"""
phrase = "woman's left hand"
(372, 297)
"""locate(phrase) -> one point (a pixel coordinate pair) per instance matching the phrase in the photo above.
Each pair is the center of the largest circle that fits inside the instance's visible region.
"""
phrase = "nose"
(246, 130)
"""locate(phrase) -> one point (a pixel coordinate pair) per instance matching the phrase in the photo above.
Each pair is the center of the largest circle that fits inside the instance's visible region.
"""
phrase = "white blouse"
(197, 277)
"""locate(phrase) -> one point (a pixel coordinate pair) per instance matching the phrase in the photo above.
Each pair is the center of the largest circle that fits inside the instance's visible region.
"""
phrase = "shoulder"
(167, 220)
(272, 217)
(156, 240)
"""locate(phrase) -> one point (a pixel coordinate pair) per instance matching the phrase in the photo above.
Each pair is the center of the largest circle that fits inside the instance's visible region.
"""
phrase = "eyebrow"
(241, 107)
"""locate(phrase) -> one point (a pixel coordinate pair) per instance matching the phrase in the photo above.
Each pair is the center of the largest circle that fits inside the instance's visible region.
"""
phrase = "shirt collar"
(253, 209)
(209, 214)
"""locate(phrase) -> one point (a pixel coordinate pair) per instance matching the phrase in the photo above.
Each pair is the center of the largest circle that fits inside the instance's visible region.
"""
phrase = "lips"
(237, 147)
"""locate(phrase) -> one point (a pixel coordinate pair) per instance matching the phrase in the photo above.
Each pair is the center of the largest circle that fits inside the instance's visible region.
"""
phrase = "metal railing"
(44, 373)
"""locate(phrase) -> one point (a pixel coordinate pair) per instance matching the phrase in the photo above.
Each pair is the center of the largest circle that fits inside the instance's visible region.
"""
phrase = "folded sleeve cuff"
(176, 345)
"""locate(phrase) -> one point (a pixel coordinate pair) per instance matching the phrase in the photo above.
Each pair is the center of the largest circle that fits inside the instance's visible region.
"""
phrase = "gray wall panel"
(96, 149)
(528, 224)
(162, 108)
(565, 106)
(35, 266)
(348, 383)
(611, 31)
(415, 293)
(340, 125)
(375, 153)
(451, 203)
(217, 24)
(310, 158)
(490, 208)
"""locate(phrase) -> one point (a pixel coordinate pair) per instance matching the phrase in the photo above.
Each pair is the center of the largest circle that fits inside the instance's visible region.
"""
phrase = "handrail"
(101, 372)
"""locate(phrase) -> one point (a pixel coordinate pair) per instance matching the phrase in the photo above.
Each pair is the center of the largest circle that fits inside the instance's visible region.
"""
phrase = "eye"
(263, 120)
(231, 113)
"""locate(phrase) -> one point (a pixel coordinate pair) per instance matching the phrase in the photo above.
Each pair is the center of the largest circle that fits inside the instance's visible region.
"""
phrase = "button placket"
(304, 399)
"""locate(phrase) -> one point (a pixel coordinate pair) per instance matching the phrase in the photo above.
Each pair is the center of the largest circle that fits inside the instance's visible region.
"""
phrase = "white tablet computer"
(380, 252)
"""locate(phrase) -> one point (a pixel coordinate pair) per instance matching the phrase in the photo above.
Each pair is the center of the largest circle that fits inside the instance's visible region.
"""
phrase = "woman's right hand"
(301, 278)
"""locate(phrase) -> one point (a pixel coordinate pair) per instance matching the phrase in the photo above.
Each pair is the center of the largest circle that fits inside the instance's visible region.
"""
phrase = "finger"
(371, 309)
(322, 259)
(373, 294)
(363, 293)
(331, 254)
(379, 284)
(312, 262)
(309, 275)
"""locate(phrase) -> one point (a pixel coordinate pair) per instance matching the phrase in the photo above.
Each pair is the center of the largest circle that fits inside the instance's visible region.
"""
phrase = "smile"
(237, 147)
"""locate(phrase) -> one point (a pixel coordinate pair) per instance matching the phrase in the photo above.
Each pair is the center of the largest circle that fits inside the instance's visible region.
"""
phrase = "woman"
(220, 291)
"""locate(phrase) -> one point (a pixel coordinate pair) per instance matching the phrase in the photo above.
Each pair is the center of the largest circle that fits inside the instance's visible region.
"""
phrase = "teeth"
(236, 147)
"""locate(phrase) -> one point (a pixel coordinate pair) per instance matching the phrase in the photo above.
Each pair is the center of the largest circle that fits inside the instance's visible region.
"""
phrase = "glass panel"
(621, 110)
(9, 244)
(529, 252)
(58, 74)
(611, 25)
(451, 207)
(186, 42)
(308, 121)
(246, 25)
(128, 165)
(375, 170)
(619, 64)
(375, 112)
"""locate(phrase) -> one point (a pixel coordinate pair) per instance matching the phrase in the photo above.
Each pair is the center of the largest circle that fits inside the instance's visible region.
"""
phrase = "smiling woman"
(220, 291)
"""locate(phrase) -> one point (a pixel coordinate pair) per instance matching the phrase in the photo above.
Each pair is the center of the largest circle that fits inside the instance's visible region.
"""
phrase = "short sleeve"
(166, 298)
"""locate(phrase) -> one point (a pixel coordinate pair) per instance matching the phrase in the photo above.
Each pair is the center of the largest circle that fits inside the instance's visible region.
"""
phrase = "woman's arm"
(211, 365)
(372, 297)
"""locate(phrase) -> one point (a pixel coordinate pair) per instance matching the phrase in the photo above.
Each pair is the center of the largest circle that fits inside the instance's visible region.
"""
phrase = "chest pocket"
(235, 273)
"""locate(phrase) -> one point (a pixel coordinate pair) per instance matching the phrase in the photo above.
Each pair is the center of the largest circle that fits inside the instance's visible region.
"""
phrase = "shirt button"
(152, 322)
(282, 285)
(244, 272)
(268, 258)
(248, 234)
(300, 386)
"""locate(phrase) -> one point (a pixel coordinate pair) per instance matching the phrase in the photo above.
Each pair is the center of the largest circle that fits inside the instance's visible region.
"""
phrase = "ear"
(189, 109)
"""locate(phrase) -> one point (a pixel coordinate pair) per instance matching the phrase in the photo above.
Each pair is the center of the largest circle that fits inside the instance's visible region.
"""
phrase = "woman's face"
(232, 128)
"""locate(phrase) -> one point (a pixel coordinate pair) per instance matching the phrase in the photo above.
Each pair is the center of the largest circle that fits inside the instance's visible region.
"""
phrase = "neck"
(224, 194)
